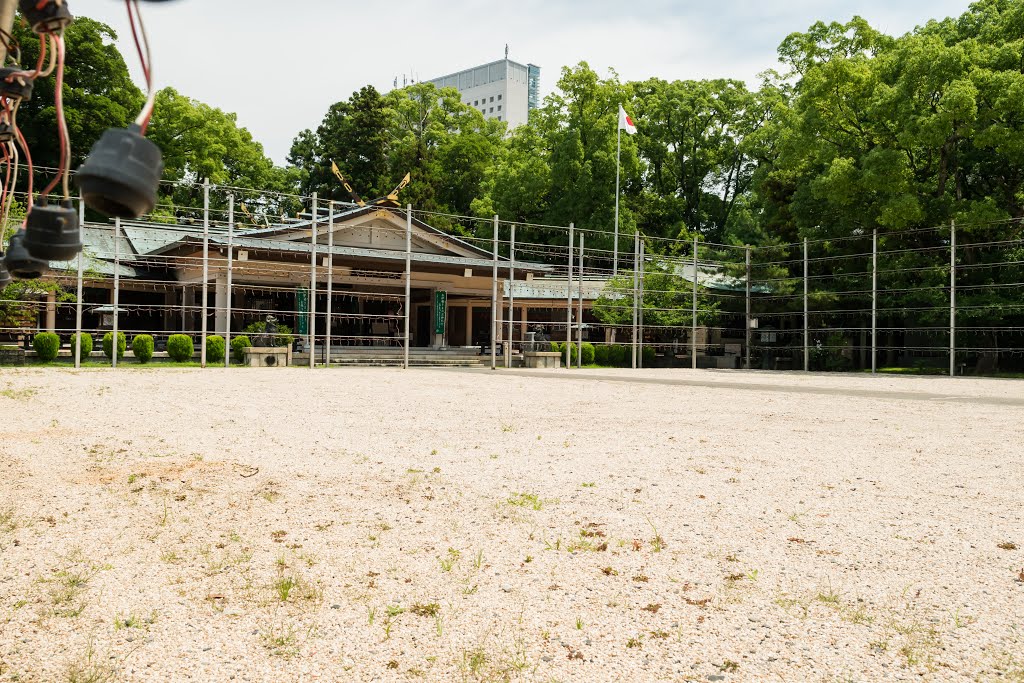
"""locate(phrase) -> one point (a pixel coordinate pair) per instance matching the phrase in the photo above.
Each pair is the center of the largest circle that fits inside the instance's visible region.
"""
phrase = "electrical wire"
(147, 62)
(62, 124)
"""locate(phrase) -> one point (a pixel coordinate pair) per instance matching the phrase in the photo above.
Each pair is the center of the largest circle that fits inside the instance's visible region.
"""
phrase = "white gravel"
(151, 521)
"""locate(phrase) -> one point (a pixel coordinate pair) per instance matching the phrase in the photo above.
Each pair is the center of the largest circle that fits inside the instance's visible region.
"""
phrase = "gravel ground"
(380, 525)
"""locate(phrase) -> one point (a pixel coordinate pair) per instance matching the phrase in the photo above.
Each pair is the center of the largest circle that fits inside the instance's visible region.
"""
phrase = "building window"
(492, 110)
(476, 103)
(499, 107)
(499, 98)
(499, 118)
(492, 98)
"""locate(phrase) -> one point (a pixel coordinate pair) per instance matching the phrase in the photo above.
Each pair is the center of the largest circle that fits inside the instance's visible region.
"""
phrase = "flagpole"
(618, 155)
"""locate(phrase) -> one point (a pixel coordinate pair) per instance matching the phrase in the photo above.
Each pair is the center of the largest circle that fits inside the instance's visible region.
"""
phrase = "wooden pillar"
(220, 315)
(523, 323)
(469, 324)
(51, 311)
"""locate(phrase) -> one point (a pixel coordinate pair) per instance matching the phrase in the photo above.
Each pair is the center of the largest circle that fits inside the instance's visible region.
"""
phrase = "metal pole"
(7, 10)
(568, 305)
(76, 349)
(640, 313)
(807, 319)
(874, 301)
(511, 295)
(117, 287)
(952, 298)
(618, 161)
(494, 300)
(693, 313)
(748, 308)
(206, 266)
(330, 284)
(636, 269)
(227, 316)
(408, 283)
(579, 317)
(312, 283)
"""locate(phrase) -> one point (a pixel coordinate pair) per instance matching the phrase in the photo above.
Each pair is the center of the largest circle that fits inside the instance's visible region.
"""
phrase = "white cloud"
(280, 65)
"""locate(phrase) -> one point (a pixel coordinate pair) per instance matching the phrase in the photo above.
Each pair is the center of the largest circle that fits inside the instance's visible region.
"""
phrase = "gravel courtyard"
(438, 525)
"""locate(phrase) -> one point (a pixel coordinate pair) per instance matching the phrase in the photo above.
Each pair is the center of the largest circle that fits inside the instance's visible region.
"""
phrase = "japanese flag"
(625, 122)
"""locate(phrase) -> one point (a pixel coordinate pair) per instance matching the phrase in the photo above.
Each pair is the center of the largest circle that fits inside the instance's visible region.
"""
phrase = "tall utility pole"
(8, 8)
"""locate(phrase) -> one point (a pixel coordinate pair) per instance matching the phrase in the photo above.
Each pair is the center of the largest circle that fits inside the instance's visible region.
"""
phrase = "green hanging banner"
(440, 310)
(302, 306)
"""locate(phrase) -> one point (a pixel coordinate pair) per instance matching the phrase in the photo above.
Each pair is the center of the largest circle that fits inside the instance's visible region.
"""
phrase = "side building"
(503, 90)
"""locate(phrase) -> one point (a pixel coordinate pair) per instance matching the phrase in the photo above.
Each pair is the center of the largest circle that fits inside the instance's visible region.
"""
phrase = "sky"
(279, 65)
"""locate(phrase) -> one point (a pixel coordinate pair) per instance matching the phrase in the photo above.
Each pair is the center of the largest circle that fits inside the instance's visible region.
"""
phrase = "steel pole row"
(115, 347)
(748, 309)
(636, 269)
(693, 313)
(494, 300)
(330, 285)
(807, 325)
(511, 295)
(568, 304)
(952, 298)
(231, 235)
(640, 312)
(312, 282)
(206, 267)
(579, 316)
(77, 346)
(408, 286)
(874, 301)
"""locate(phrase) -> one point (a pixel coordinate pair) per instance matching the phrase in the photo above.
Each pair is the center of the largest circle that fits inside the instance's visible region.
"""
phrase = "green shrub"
(600, 354)
(142, 347)
(180, 348)
(214, 348)
(283, 337)
(572, 352)
(47, 346)
(588, 351)
(86, 349)
(555, 347)
(649, 356)
(108, 345)
(617, 355)
(238, 346)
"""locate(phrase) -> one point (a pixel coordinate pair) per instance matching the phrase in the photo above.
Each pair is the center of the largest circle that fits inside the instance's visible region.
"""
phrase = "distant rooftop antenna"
(506, 50)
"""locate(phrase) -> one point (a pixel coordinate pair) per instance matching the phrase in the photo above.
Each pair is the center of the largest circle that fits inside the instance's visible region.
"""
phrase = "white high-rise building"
(503, 90)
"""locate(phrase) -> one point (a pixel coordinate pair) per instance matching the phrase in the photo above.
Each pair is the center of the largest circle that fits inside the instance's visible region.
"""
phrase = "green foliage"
(600, 354)
(588, 352)
(215, 348)
(180, 348)
(556, 347)
(16, 301)
(142, 347)
(238, 346)
(649, 355)
(618, 356)
(47, 346)
(283, 337)
(108, 345)
(86, 348)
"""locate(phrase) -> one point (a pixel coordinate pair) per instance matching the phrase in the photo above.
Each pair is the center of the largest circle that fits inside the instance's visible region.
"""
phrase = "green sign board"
(440, 310)
(302, 306)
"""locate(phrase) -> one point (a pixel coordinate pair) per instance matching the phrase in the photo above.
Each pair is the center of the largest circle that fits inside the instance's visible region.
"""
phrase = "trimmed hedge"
(180, 348)
(47, 346)
(142, 347)
(588, 351)
(556, 347)
(83, 353)
(617, 355)
(600, 355)
(238, 346)
(649, 356)
(215, 348)
(108, 345)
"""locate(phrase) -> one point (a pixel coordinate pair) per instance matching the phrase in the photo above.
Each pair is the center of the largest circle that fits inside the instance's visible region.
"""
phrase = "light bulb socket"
(122, 173)
(20, 263)
(51, 232)
(48, 16)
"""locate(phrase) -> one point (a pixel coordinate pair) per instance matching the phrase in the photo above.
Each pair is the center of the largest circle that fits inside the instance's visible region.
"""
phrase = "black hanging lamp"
(20, 263)
(51, 232)
(121, 175)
